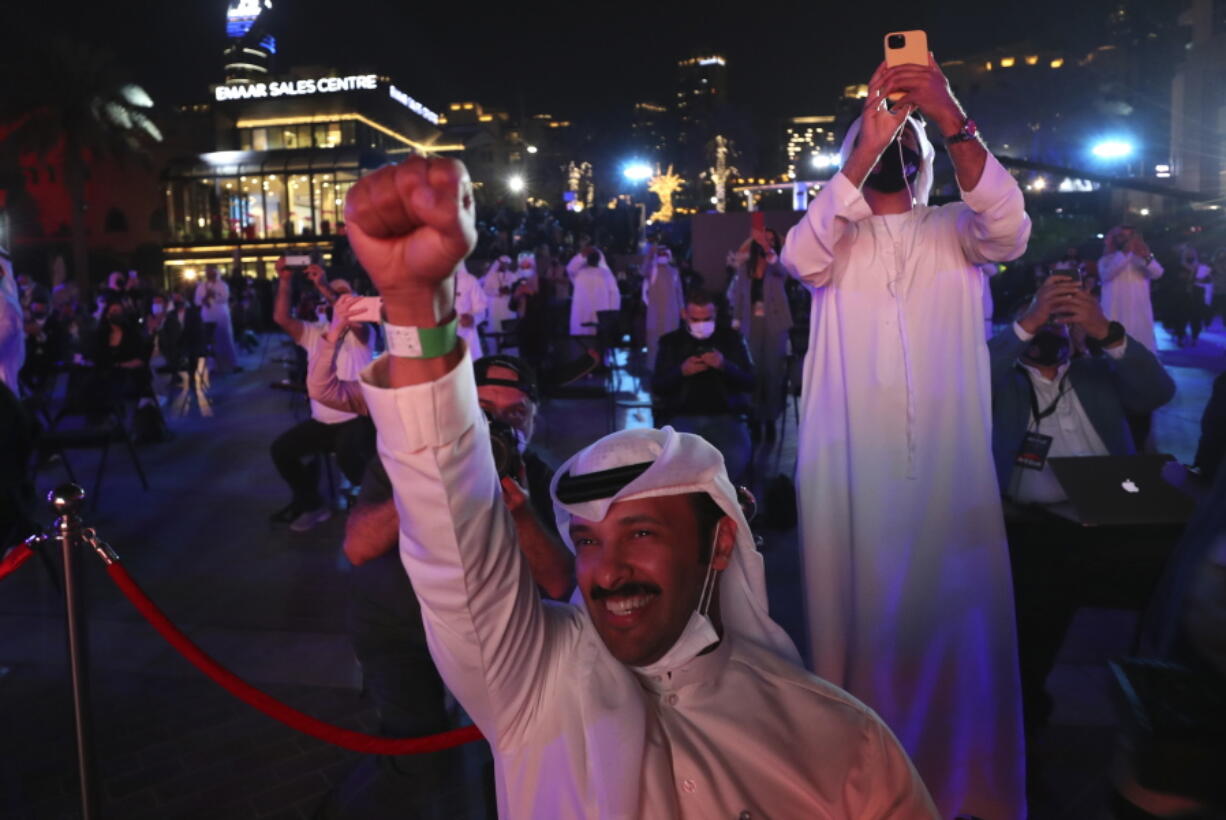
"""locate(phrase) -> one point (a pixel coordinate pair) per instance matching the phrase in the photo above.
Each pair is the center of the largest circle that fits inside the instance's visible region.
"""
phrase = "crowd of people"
(605, 622)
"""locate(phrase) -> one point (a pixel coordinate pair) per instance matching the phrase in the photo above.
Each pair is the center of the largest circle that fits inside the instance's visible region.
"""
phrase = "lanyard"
(1039, 415)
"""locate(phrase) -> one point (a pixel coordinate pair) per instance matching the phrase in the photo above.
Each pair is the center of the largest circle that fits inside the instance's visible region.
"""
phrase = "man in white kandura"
(471, 306)
(906, 568)
(1126, 269)
(665, 690)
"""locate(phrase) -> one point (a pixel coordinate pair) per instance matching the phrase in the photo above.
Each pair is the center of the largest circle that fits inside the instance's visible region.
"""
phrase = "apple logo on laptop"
(1130, 486)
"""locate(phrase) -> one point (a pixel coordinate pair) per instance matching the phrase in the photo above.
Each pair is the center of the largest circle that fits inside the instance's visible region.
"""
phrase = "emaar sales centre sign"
(296, 88)
(320, 85)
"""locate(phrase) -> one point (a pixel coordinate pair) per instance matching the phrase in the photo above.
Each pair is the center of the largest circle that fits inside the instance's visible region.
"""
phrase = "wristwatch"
(1115, 333)
(968, 131)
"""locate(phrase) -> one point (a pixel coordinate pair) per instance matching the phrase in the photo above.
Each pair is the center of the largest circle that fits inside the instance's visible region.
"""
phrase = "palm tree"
(68, 99)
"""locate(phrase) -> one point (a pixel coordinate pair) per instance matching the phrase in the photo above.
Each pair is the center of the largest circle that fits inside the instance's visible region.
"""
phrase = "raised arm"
(808, 253)
(411, 225)
(280, 308)
(324, 384)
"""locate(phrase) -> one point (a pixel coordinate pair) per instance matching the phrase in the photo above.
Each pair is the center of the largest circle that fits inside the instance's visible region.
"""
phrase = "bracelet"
(421, 342)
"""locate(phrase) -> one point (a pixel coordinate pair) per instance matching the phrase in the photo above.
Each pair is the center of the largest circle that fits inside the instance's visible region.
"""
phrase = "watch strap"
(967, 132)
(1115, 333)
(421, 342)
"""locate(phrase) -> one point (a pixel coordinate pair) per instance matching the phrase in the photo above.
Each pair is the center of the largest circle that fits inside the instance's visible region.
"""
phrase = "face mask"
(1048, 349)
(701, 330)
(894, 172)
(699, 632)
(156, 309)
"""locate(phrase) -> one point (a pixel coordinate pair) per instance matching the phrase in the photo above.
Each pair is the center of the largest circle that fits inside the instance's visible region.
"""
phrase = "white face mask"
(699, 632)
(701, 330)
(155, 309)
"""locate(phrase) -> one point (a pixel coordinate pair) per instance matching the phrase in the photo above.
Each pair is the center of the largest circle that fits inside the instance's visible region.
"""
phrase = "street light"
(637, 171)
(532, 149)
(516, 184)
(1112, 149)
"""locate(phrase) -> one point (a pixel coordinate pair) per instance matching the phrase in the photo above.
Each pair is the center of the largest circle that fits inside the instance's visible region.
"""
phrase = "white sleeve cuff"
(992, 183)
(1117, 352)
(432, 414)
(849, 201)
(1022, 335)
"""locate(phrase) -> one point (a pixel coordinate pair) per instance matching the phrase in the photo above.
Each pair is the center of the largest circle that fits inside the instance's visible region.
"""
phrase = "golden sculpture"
(664, 185)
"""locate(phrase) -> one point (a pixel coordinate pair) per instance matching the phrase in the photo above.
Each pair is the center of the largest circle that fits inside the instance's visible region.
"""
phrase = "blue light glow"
(637, 171)
(1112, 149)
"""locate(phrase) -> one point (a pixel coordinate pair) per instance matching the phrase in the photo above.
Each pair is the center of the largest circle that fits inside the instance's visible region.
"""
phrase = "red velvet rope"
(17, 556)
(337, 736)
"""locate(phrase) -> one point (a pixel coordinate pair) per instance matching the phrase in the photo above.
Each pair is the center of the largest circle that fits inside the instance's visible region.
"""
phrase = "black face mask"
(895, 172)
(1048, 349)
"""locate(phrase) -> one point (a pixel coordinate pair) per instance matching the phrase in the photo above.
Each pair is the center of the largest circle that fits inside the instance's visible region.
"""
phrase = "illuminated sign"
(296, 88)
(711, 61)
(412, 104)
(241, 16)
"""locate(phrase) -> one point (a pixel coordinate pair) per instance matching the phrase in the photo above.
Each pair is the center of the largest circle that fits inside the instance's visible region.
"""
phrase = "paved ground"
(270, 605)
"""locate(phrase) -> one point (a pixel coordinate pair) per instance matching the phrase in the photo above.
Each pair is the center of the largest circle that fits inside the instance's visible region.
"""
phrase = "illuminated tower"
(249, 48)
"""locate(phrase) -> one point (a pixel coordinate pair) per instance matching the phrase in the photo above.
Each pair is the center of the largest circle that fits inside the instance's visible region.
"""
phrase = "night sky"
(569, 59)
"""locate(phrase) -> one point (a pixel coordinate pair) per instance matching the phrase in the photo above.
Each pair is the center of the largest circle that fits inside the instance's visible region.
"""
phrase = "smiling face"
(641, 570)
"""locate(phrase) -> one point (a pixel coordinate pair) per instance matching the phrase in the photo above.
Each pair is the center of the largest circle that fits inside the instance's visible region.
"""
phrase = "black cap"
(526, 376)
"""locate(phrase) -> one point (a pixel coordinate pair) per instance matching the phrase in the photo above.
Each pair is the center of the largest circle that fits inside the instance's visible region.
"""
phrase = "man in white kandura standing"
(471, 305)
(1126, 269)
(906, 568)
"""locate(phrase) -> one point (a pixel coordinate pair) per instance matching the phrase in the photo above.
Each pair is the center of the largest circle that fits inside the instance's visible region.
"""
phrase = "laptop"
(1121, 490)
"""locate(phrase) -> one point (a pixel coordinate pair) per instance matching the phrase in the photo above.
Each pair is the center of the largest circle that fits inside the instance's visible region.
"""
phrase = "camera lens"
(896, 41)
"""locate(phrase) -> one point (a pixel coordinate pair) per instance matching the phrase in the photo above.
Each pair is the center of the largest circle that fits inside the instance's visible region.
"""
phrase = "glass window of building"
(298, 196)
(276, 213)
(259, 139)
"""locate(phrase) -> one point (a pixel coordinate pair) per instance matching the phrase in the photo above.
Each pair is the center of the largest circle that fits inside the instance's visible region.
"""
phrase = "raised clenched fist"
(411, 225)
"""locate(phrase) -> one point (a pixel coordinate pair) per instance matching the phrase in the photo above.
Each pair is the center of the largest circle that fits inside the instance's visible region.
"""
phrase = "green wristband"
(421, 342)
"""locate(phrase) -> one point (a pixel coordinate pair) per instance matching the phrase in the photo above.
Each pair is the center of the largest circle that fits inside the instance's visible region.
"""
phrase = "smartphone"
(1072, 270)
(367, 309)
(300, 260)
(902, 48)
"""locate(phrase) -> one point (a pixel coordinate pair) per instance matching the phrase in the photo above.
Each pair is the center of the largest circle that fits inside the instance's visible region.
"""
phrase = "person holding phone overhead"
(906, 568)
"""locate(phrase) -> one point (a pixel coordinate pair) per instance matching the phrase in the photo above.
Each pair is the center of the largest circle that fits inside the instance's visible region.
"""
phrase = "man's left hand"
(713, 358)
(926, 88)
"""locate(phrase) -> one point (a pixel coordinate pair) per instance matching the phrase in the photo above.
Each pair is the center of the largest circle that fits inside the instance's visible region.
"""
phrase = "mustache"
(625, 590)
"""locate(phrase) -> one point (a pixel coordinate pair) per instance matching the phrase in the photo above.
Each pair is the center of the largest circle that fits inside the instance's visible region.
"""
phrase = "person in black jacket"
(702, 382)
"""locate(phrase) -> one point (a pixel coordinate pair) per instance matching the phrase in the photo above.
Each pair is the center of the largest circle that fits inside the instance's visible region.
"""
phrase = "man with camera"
(703, 380)
(327, 430)
(385, 620)
(669, 691)
(1126, 268)
(1049, 402)
(905, 559)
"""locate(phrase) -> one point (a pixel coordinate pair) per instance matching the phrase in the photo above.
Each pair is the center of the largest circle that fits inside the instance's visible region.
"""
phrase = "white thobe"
(1125, 297)
(470, 300)
(495, 282)
(907, 581)
(575, 733)
(595, 290)
(12, 341)
(217, 310)
(665, 301)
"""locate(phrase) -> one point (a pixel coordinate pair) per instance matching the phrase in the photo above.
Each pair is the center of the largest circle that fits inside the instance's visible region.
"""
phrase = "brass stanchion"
(66, 500)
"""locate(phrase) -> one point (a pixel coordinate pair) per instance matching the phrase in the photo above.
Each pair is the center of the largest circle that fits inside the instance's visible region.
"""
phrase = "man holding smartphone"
(907, 582)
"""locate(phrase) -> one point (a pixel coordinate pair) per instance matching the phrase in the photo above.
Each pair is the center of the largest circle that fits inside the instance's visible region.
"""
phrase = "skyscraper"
(249, 48)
